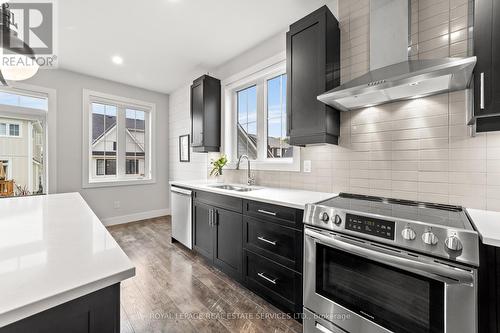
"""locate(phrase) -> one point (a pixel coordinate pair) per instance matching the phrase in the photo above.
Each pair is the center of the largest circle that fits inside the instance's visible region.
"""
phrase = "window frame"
(257, 75)
(121, 178)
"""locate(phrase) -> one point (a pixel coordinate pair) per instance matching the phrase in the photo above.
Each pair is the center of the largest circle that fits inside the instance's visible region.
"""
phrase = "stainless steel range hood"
(392, 76)
(404, 80)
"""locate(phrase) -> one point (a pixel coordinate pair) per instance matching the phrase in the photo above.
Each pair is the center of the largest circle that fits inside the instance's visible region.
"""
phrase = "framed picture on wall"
(184, 148)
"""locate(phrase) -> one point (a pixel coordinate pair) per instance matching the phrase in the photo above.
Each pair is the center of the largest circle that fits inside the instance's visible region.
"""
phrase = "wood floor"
(174, 290)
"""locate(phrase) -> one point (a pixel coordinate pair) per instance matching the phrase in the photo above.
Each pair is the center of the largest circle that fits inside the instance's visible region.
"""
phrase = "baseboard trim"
(135, 217)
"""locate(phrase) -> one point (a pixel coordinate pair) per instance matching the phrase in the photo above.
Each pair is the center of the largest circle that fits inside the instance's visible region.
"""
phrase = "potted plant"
(217, 166)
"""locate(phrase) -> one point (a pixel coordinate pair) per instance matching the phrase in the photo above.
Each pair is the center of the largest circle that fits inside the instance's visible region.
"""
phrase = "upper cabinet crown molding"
(205, 114)
(487, 70)
(313, 67)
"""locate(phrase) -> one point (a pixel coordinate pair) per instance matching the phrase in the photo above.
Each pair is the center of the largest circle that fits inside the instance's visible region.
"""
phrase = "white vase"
(219, 179)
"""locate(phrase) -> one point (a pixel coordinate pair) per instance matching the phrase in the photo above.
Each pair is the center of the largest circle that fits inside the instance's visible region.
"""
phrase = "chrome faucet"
(250, 178)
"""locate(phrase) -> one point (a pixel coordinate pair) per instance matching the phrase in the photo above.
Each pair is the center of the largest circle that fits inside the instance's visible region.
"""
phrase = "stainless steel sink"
(235, 188)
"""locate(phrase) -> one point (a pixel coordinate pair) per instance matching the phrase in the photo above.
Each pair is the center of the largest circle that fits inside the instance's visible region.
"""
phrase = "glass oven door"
(396, 300)
(382, 289)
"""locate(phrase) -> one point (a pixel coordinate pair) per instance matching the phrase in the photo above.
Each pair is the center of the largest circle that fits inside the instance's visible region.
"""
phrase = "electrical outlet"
(307, 166)
(116, 204)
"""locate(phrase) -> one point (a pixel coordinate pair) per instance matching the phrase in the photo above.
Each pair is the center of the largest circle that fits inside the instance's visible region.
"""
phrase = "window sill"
(120, 182)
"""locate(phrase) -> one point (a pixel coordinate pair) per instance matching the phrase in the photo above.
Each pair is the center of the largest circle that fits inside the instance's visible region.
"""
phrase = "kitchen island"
(60, 269)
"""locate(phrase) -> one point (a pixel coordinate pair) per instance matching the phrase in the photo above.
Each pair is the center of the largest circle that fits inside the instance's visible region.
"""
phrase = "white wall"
(137, 201)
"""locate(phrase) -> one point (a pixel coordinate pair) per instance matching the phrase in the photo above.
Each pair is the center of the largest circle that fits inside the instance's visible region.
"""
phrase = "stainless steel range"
(374, 264)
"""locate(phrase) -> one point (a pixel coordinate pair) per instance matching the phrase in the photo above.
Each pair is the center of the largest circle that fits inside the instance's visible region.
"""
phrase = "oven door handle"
(434, 270)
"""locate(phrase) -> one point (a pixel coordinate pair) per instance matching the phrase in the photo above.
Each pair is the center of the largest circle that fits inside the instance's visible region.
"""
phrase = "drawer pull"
(263, 276)
(267, 241)
(266, 212)
(322, 328)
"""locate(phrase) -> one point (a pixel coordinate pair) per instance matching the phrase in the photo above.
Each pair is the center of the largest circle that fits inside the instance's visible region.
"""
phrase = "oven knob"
(453, 243)
(408, 233)
(429, 238)
(337, 220)
(324, 217)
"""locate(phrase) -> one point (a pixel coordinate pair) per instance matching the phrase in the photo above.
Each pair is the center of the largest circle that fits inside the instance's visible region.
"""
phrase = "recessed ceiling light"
(414, 84)
(117, 60)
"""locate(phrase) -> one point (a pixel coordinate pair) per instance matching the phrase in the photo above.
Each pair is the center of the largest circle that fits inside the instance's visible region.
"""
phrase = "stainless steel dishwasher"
(181, 200)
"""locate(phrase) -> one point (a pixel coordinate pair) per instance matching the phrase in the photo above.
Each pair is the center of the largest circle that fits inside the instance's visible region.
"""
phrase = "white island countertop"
(53, 249)
(277, 196)
(487, 224)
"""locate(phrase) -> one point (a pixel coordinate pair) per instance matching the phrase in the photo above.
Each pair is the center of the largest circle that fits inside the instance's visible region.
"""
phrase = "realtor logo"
(30, 34)
(34, 23)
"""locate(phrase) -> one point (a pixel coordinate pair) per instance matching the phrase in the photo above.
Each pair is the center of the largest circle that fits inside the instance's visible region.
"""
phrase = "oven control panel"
(370, 226)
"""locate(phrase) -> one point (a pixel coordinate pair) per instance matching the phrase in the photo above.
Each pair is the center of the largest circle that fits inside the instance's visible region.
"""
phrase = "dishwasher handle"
(181, 191)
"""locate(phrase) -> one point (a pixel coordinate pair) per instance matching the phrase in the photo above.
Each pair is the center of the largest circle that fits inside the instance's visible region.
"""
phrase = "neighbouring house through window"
(277, 139)
(23, 117)
(120, 142)
(247, 122)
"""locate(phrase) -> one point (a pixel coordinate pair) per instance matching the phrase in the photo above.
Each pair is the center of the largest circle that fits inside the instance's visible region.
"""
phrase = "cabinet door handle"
(481, 98)
(262, 275)
(266, 212)
(216, 218)
(266, 240)
(210, 217)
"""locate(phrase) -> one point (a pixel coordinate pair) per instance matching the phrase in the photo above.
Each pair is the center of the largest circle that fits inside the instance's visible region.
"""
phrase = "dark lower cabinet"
(98, 312)
(203, 239)
(276, 283)
(228, 242)
(255, 243)
(218, 233)
(281, 244)
(489, 289)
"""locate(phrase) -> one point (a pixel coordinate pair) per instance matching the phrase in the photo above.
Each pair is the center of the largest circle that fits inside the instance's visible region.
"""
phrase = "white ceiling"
(166, 43)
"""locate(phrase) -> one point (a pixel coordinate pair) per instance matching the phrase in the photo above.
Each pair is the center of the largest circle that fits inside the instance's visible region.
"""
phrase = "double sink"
(235, 188)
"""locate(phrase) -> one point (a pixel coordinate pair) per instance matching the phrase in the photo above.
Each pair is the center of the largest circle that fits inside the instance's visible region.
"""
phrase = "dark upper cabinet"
(205, 114)
(487, 70)
(313, 67)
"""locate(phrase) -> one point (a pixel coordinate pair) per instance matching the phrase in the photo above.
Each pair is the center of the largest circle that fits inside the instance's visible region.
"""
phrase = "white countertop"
(277, 196)
(487, 224)
(53, 249)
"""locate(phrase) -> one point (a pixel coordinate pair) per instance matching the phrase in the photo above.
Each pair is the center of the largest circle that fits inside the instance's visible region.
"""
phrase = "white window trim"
(90, 96)
(49, 117)
(261, 72)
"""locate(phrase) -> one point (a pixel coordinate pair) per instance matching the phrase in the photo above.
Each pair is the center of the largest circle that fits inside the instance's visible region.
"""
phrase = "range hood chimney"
(392, 76)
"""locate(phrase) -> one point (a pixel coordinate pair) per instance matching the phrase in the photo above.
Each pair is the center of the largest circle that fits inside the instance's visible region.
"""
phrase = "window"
(23, 130)
(132, 167)
(277, 140)
(119, 140)
(5, 165)
(10, 129)
(105, 167)
(26, 101)
(255, 120)
(247, 122)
